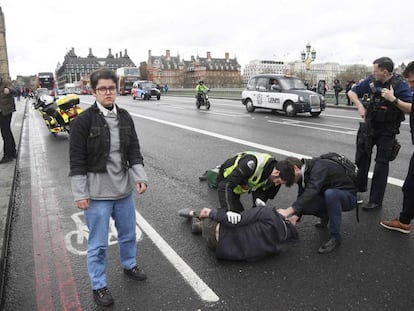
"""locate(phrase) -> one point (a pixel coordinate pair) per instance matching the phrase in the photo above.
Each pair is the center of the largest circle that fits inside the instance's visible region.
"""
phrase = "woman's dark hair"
(102, 73)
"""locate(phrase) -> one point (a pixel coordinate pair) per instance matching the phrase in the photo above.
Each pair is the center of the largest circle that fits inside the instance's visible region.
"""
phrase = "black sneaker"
(136, 273)
(186, 213)
(329, 246)
(370, 206)
(103, 296)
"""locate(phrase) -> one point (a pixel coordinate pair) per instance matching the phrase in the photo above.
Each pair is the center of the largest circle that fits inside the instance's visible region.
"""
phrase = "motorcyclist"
(201, 88)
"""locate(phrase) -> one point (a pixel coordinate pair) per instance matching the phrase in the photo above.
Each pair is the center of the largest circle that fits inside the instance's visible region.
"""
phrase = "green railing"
(236, 94)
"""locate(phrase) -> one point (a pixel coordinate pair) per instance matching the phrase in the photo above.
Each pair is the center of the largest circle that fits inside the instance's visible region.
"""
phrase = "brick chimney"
(227, 56)
(168, 54)
(209, 55)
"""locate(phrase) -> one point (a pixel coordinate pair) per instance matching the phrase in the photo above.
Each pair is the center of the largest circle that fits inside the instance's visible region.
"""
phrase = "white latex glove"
(233, 217)
(260, 202)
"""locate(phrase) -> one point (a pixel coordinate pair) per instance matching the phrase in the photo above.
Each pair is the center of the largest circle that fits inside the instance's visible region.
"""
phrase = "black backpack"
(349, 167)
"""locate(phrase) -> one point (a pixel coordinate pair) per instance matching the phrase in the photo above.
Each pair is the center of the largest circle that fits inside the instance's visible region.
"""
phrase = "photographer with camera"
(381, 120)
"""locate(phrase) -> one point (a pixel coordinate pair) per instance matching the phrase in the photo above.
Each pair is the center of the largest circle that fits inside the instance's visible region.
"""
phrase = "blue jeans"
(97, 219)
(330, 205)
(336, 98)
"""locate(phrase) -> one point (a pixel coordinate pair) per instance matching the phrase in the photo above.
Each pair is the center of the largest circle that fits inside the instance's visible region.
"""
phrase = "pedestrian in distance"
(325, 191)
(7, 107)
(403, 222)
(106, 165)
(251, 235)
(381, 120)
(348, 87)
(246, 172)
(337, 89)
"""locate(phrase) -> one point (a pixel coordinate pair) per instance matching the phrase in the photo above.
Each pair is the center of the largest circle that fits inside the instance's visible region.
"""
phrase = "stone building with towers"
(77, 69)
(4, 62)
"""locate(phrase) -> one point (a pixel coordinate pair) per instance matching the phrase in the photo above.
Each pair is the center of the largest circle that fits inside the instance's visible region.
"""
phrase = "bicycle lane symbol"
(76, 241)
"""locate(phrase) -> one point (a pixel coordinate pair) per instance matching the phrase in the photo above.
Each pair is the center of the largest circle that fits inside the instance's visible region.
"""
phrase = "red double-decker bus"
(46, 80)
(126, 78)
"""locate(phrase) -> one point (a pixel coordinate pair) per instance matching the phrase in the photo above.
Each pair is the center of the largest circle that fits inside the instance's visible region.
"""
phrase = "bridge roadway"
(44, 266)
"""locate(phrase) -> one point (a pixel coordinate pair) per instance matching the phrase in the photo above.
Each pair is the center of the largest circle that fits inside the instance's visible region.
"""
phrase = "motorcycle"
(202, 100)
(58, 113)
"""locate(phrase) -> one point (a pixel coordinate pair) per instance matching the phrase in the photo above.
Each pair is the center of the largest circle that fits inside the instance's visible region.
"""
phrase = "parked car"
(279, 92)
(145, 90)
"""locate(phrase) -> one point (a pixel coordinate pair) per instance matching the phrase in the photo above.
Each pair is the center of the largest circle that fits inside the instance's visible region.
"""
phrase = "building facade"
(328, 71)
(76, 69)
(215, 72)
(4, 62)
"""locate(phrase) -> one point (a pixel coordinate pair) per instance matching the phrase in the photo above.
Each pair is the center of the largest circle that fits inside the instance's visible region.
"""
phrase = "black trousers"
(6, 133)
(383, 139)
(407, 213)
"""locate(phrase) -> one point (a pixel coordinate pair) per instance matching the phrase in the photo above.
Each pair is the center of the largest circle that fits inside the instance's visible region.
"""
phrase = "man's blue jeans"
(330, 205)
(97, 219)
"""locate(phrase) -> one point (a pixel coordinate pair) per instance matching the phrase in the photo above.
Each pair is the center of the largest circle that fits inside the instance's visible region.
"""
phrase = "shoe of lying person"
(329, 246)
(186, 213)
(102, 296)
(396, 225)
(196, 225)
(136, 273)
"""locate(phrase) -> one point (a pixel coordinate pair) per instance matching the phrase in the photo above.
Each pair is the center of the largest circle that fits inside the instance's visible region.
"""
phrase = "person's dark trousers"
(336, 98)
(384, 140)
(6, 133)
(331, 204)
(407, 213)
(348, 100)
(225, 198)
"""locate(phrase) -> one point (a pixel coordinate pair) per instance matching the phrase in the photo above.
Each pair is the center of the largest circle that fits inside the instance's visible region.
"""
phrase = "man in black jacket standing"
(325, 190)
(106, 166)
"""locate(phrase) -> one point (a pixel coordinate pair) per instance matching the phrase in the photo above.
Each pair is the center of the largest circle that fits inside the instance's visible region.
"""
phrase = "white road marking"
(187, 273)
(391, 180)
(320, 127)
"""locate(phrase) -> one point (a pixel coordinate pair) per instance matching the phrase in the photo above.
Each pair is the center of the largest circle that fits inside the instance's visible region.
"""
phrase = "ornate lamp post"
(308, 57)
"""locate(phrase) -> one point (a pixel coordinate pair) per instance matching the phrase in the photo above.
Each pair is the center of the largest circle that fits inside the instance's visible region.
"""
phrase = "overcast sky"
(39, 33)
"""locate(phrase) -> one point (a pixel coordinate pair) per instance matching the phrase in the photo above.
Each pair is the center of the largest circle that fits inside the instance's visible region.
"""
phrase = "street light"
(308, 57)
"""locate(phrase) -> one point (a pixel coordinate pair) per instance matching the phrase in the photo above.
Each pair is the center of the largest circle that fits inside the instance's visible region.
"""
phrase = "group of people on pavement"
(325, 190)
(106, 165)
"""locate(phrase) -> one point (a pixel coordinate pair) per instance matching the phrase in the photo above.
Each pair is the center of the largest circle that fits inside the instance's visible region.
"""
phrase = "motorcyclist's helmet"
(200, 82)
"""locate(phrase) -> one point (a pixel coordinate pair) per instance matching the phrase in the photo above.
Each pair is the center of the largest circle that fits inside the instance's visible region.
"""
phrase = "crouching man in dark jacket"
(325, 190)
(250, 235)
